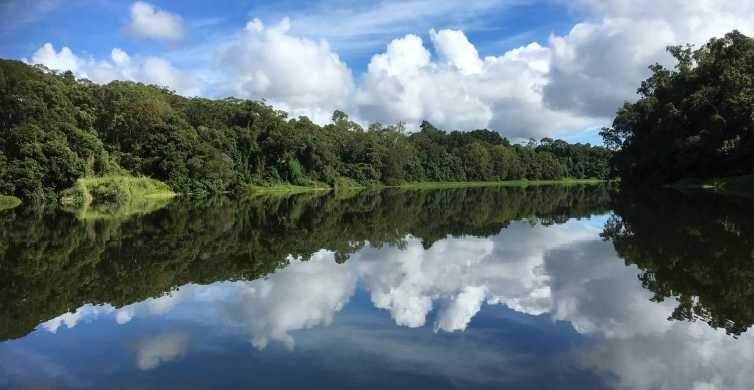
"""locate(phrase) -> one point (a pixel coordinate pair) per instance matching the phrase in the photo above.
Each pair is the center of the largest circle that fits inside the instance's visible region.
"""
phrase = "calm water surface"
(541, 288)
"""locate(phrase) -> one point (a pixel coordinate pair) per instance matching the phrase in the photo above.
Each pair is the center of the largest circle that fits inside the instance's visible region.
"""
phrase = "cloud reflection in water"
(564, 271)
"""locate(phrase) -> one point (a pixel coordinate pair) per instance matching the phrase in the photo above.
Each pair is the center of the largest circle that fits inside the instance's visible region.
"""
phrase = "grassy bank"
(354, 186)
(115, 196)
(8, 202)
(286, 189)
(114, 190)
(736, 184)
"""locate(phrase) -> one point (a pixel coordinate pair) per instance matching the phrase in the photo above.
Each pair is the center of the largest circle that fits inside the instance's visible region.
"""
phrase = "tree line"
(55, 128)
(693, 121)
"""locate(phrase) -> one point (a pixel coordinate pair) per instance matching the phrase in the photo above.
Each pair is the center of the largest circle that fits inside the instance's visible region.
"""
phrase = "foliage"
(115, 197)
(114, 190)
(696, 120)
(9, 202)
(55, 129)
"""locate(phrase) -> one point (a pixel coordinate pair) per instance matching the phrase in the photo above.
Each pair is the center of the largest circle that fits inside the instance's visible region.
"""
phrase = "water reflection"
(54, 263)
(492, 288)
(163, 348)
(697, 248)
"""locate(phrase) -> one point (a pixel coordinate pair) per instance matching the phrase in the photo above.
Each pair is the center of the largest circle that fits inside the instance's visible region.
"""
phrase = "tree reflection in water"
(53, 262)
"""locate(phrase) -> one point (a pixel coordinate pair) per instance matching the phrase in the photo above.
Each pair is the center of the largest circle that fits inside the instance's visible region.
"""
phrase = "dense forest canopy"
(55, 129)
(696, 120)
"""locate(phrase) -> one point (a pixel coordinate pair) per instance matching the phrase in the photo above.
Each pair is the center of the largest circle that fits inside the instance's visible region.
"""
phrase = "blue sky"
(95, 27)
(525, 68)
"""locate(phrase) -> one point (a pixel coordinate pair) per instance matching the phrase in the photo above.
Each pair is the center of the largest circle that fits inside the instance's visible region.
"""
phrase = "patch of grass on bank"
(345, 185)
(111, 197)
(736, 184)
(282, 188)
(506, 183)
(8, 202)
(114, 190)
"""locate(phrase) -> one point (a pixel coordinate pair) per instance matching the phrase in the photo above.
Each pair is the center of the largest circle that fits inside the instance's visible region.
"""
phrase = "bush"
(108, 192)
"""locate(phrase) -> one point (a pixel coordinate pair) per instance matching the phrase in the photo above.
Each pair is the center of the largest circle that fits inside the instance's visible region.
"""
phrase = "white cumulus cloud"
(302, 76)
(148, 21)
(120, 66)
(601, 62)
(62, 60)
(459, 90)
(455, 49)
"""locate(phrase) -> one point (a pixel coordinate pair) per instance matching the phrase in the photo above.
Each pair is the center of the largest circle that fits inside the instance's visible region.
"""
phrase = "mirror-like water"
(544, 287)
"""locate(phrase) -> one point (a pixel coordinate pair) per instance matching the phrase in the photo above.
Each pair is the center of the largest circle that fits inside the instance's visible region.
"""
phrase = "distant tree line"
(696, 120)
(55, 129)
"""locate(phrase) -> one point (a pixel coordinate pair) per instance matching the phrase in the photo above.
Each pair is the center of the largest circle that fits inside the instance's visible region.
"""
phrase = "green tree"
(691, 121)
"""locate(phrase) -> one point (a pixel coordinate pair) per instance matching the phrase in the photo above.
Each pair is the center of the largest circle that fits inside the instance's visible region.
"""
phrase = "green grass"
(348, 185)
(8, 202)
(286, 189)
(736, 185)
(113, 197)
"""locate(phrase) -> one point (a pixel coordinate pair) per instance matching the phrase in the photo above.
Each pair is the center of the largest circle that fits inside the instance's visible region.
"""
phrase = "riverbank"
(8, 202)
(291, 189)
(742, 185)
(286, 189)
(114, 190)
(127, 191)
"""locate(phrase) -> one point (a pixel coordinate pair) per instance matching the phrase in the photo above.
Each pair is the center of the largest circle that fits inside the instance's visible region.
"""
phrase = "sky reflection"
(532, 300)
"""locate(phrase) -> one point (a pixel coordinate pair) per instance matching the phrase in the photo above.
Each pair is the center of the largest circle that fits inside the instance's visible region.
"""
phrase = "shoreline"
(80, 194)
(288, 188)
(115, 189)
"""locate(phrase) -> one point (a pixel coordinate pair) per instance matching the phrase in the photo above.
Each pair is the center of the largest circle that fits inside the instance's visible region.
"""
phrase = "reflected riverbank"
(541, 287)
